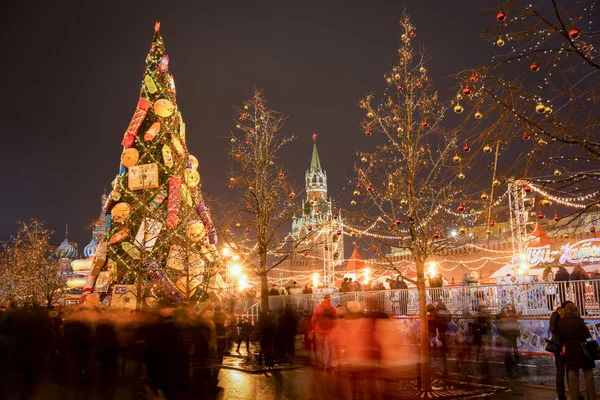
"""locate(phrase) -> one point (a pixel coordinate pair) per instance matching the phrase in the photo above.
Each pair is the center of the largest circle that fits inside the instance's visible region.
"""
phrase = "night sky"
(71, 74)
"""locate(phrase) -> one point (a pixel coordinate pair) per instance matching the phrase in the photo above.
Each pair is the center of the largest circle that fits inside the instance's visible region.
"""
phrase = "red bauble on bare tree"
(574, 33)
(541, 215)
(527, 189)
(501, 16)
(534, 67)
(461, 207)
(556, 218)
(436, 235)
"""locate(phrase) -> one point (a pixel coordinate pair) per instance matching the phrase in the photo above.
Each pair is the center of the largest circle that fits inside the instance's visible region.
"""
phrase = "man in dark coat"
(559, 360)
(573, 332)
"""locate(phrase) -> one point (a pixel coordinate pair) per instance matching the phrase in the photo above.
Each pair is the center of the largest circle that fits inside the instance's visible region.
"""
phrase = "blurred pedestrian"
(559, 359)
(323, 321)
(579, 276)
(573, 333)
(596, 286)
(442, 319)
(221, 325)
(550, 287)
(509, 329)
(245, 331)
(562, 280)
(267, 326)
(306, 330)
(287, 326)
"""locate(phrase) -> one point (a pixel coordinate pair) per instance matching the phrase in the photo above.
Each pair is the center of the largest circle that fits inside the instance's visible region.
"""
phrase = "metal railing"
(531, 299)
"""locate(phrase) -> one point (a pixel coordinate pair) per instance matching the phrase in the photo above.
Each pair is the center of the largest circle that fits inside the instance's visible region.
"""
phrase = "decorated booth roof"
(538, 237)
(356, 262)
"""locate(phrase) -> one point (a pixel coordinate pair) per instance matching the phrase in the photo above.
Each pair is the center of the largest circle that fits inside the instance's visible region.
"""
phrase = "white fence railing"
(531, 299)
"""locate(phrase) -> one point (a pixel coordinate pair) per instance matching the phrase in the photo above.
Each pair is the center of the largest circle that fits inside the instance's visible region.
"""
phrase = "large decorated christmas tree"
(160, 240)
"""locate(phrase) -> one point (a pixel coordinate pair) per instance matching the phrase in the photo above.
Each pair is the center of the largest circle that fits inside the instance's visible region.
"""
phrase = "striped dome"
(90, 249)
(66, 250)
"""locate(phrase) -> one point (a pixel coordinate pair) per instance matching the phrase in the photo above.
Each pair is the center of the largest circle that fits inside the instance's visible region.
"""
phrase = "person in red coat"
(323, 321)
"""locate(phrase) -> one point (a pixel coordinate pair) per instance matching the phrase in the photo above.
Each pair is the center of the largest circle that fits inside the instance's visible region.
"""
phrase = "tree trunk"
(264, 291)
(424, 358)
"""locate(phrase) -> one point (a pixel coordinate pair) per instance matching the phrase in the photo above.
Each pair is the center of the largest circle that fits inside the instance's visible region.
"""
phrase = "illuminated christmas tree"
(161, 240)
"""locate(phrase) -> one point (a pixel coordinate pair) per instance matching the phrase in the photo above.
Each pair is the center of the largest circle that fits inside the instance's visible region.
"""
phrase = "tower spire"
(315, 163)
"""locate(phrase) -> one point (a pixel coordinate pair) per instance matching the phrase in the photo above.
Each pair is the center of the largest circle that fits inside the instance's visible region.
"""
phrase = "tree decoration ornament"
(399, 87)
(556, 218)
(369, 188)
(593, 229)
(136, 122)
(403, 202)
(534, 67)
(492, 223)
(359, 185)
(546, 202)
(466, 91)
(238, 156)
(353, 202)
(495, 182)
(557, 172)
(526, 136)
(292, 195)
(282, 175)
(501, 16)
(585, 48)
(363, 159)
(398, 221)
(487, 149)
(192, 162)
(500, 42)
(163, 65)
(247, 230)
(309, 227)
(143, 176)
(458, 109)
(192, 177)
(150, 85)
(461, 207)
(368, 132)
(425, 124)
(370, 114)
(120, 212)
(436, 235)
(422, 70)
(457, 159)
(419, 84)
(130, 157)
(484, 196)
(527, 189)
(478, 115)
(540, 108)
(574, 33)
(356, 192)
(167, 155)
(163, 108)
(473, 78)
(566, 235)
(173, 201)
(412, 34)
(466, 148)
(541, 215)
(461, 175)
(152, 132)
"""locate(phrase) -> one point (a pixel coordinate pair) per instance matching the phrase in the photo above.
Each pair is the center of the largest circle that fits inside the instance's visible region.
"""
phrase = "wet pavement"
(532, 378)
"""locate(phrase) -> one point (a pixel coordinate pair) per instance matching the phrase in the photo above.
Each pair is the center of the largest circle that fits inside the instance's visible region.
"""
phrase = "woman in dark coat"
(573, 333)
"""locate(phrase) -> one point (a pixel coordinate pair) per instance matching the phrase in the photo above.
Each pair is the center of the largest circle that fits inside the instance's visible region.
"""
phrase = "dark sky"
(71, 73)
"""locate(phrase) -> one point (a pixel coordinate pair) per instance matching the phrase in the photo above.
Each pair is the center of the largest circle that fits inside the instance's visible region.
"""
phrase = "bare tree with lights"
(29, 270)
(410, 181)
(537, 98)
(259, 218)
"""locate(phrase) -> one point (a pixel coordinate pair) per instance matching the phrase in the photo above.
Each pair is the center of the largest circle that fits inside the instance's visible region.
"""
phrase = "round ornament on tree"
(192, 177)
(574, 33)
(195, 231)
(458, 109)
(501, 16)
(130, 157)
(163, 108)
(193, 162)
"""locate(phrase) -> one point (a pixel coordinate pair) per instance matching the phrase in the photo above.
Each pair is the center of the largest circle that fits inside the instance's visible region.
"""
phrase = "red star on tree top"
(314, 136)
(157, 26)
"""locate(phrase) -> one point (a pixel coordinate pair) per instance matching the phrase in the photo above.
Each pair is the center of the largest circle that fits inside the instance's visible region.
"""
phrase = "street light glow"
(226, 251)
(235, 269)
